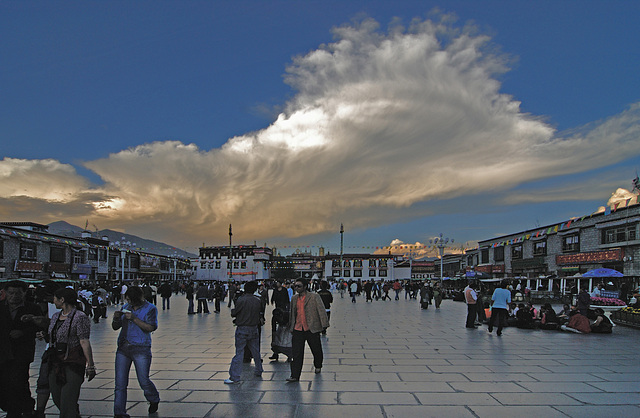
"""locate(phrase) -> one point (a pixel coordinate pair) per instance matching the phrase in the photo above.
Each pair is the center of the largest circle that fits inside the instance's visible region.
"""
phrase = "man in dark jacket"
(165, 294)
(248, 318)
(16, 323)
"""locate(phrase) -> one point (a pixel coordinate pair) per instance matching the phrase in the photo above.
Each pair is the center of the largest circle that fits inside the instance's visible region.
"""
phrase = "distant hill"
(145, 245)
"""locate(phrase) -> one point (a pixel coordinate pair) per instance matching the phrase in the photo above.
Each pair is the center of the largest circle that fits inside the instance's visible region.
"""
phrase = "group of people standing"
(68, 359)
(306, 316)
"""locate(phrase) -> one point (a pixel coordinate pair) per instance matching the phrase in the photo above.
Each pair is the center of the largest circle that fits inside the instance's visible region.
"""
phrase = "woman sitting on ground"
(602, 325)
(524, 317)
(549, 319)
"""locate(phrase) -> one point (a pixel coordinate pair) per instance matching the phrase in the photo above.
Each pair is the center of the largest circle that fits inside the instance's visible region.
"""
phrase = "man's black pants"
(297, 348)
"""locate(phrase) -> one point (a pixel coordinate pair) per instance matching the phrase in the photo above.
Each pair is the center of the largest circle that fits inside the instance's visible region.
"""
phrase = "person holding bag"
(69, 356)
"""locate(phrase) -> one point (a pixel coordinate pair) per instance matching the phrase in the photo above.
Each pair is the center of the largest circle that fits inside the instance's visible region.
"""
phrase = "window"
(484, 256)
(236, 265)
(228, 265)
(540, 248)
(243, 265)
(203, 265)
(57, 254)
(92, 254)
(336, 273)
(516, 251)
(346, 273)
(382, 263)
(346, 264)
(218, 265)
(619, 234)
(357, 263)
(372, 273)
(372, 263)
(571, 243)
(27, 251)
(357, 273)
(78, 257)
(498, 254)
(335, 263)
(383, 273)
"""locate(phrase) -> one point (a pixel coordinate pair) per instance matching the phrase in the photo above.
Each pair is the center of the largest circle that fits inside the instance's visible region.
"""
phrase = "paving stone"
(381, 359)
(427, 411)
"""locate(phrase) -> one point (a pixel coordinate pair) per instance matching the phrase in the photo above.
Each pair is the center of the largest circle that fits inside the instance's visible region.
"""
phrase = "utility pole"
(341, 248)
(230, 254)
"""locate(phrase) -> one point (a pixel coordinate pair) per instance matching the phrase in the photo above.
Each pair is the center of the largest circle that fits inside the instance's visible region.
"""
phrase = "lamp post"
(440, 242)
(123, 254)
(341, 248)
(230, 254)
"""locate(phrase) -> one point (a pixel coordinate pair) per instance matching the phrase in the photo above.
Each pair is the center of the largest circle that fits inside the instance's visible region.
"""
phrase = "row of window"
(358, 273)
(358, 263)
(219, 255)
(217, 265)
(570, 243)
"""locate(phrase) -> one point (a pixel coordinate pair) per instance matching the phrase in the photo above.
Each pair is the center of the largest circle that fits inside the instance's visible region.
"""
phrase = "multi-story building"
(240, 263)
(362, 267)
(566, 250)
(28, 251)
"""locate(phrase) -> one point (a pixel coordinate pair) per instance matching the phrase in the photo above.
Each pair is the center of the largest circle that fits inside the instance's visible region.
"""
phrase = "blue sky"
(171, 120)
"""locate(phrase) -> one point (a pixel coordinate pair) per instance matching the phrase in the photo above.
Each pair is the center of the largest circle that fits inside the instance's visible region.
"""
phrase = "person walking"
(165, 294)
(248, 316)
(397, 287)
(499, 309)
(308, 318)
(136, 321)
(353, 289)
(71, 356)
(471, 298)
(327, 300)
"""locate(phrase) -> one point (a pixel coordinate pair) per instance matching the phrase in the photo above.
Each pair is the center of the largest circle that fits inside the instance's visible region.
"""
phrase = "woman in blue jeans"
(136, 321)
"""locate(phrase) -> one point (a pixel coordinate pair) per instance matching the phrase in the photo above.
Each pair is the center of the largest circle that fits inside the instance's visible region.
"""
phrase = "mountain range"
(134, 242)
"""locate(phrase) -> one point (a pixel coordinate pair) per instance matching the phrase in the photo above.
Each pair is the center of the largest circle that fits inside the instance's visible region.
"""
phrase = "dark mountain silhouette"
(141, 244)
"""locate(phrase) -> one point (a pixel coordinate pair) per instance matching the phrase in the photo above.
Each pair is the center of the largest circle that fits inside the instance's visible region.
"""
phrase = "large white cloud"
(380, 122)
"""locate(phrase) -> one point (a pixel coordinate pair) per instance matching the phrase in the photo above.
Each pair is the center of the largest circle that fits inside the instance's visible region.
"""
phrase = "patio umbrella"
(603, 273)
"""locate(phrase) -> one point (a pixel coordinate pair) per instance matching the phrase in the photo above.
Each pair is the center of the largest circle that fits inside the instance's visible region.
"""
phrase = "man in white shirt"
(471, 298)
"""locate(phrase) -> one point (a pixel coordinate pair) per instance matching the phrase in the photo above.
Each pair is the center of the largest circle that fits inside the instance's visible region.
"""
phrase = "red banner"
(593, 257)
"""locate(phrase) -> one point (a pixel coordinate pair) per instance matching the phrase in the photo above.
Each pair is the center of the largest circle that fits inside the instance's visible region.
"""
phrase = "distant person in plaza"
(202, 294)
(17, 349)
(597, 291)
(437, 295)
(353, 289)
(386, 288)
(397, 287)
(136, 321)
(71, 357)
(189, 292)
(584, 301)
(248, 316)
(500, 304)
(165, 294)
(232, 293)
(471, 298)
(308, 318)
(327, 299)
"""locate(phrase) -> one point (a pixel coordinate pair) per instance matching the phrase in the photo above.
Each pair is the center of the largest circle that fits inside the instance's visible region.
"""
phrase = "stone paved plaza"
(382, 359)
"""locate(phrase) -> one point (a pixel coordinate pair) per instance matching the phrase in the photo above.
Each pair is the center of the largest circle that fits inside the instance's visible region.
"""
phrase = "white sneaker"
(230, 382)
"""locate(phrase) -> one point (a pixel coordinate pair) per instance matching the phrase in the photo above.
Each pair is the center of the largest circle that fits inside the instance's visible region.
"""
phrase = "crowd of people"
(301, 314)
(500, 311)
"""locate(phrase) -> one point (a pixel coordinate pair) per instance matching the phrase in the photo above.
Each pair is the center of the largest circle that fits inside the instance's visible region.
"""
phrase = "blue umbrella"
(603, 273)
